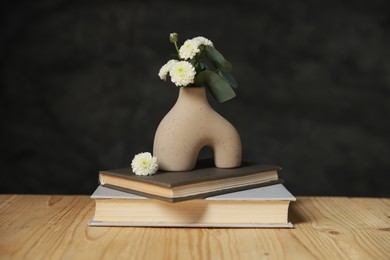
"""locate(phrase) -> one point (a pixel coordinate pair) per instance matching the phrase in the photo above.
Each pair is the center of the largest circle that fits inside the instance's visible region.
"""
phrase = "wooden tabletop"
(56, 227)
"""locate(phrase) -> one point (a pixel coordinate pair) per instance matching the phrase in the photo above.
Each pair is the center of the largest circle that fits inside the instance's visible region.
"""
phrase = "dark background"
(80, 91)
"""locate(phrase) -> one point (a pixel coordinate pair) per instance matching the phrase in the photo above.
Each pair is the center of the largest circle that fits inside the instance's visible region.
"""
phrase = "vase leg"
(227, 151)
(173, 155)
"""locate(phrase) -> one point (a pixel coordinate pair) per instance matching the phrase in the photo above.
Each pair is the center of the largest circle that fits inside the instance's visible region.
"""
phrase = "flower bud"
(173, 37)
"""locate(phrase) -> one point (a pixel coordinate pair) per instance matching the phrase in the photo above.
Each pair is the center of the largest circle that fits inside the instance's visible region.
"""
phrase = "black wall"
(80, 91)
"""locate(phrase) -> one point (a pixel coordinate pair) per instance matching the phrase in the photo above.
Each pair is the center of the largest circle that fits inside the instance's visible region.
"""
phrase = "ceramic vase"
(189, 126)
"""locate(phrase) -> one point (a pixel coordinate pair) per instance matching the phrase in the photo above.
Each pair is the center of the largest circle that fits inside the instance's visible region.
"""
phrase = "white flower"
(182, 73)
(203, 41)
(189, 49)
(144, 164)
(165, 69)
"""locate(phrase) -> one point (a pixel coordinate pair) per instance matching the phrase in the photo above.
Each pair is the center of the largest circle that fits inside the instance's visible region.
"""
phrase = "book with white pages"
(264, 207)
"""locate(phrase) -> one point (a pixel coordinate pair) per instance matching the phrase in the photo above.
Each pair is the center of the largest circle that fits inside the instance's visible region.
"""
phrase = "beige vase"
(189, 126)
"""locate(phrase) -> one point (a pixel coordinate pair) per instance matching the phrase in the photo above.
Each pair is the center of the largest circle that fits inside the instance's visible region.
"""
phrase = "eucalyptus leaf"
(229, 78)
(218, 87)
(217, 59)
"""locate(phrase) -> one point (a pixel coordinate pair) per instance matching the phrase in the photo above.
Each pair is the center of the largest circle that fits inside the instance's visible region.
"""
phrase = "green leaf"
(229, 78)
(217, 59)
(219, 88)
(204, 66)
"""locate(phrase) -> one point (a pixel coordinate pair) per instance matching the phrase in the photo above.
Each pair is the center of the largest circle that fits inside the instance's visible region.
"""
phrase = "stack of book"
(249, 196)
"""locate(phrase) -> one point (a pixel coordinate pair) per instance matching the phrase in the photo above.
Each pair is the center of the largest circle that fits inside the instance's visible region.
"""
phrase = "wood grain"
(55, 227)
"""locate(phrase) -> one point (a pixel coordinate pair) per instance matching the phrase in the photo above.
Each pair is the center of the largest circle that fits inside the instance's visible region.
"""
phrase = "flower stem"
(177, 49)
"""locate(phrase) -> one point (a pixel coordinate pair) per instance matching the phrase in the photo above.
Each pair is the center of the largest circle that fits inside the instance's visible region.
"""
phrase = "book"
(258, 207)
(204, 181)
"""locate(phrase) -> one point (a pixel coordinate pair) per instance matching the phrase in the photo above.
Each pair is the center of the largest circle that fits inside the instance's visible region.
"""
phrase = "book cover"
(258, 207)
(203, 181)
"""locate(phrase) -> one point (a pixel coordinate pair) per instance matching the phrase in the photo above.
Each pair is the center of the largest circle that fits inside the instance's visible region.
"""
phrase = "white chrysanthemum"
(189, 49)
(203, 41)
(144, 164)
(165, 69)
(182, 73)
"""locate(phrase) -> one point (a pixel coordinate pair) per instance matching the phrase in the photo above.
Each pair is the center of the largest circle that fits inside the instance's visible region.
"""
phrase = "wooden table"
(55, 227)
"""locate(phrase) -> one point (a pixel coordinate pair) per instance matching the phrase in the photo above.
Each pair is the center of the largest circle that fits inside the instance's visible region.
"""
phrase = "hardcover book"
(204, 181)
(259, 207)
